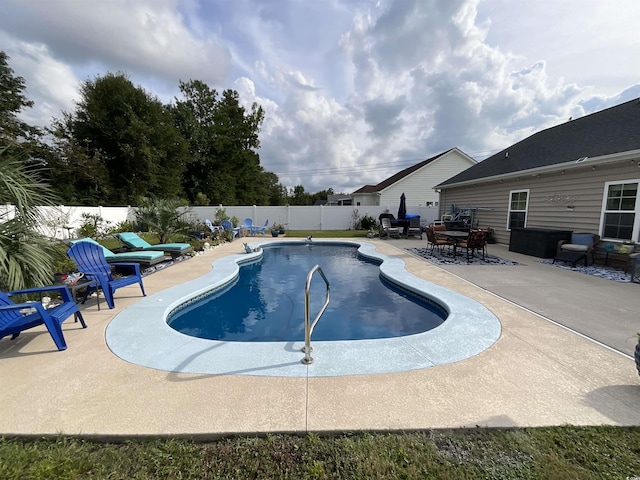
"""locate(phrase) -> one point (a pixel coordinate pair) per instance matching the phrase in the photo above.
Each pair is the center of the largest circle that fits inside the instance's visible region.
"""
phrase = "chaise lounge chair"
(144, 258)
(17, 317)
(386, 230)
(91, 261)
(133, 241)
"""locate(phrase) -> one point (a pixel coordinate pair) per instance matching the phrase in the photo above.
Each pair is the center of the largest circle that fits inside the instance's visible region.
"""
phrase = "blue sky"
(353, 90)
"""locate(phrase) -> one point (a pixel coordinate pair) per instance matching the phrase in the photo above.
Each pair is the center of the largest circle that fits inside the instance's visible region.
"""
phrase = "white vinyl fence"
(64, 221)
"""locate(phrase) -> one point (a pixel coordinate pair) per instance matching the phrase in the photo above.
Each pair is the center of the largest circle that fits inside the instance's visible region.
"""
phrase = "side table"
(83, 283)
(618, 253)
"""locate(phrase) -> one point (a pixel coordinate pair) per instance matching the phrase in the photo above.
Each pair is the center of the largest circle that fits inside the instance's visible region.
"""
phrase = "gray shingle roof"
(613, 130)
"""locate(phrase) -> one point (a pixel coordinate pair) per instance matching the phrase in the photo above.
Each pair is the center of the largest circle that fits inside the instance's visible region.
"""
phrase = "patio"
(538, 373)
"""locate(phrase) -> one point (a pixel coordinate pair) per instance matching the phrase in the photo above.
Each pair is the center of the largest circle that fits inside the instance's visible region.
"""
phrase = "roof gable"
(613, 130)
(404, 173)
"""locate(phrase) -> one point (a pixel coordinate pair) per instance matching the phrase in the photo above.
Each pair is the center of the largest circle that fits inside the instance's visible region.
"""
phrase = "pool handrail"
(308, 326)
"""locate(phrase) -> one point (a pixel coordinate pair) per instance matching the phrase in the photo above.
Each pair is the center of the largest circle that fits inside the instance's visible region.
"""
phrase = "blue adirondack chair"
(91, 261)
(17, 317)
(227, 225)
(262, 229)
(248, 226)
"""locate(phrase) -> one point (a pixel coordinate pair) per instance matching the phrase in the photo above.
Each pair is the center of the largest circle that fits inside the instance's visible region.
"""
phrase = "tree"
(223, 141)
(130, 133)
(78, 172)
(12, 101)
(27, 258)
(299, 197)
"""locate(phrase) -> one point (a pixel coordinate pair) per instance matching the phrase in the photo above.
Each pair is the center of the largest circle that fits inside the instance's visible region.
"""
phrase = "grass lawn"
(545, 453)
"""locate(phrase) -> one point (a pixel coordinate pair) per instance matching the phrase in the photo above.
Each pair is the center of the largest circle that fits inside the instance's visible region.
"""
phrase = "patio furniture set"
(245, 229)
(100, 269)
(474, 241)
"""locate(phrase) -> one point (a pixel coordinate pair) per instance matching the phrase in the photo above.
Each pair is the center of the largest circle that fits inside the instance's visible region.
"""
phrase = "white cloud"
(51, 84)
(352, 90)
(144, 37)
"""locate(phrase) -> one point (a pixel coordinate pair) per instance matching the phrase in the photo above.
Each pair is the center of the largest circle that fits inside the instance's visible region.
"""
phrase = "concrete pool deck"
(538, 373)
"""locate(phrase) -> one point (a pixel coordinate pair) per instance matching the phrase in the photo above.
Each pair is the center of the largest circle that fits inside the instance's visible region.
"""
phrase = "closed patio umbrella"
(402, 210)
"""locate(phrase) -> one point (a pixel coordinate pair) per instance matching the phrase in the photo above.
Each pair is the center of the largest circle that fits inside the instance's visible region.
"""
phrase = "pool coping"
(140, 335)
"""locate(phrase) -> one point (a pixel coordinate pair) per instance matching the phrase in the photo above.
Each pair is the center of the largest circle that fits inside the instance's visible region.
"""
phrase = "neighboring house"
(581, 175)
(339, 199)
(416, 182)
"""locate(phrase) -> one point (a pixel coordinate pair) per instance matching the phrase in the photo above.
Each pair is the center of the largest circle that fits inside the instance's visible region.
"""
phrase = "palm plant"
(27, 257)
(164, 217)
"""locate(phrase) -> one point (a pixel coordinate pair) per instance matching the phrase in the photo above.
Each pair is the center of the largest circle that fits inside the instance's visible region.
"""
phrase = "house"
(339, 199)
(416, 182)
(582, 175)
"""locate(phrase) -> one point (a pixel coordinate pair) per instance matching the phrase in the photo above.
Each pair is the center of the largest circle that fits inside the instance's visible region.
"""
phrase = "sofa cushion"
(581, 239)
(572, 247)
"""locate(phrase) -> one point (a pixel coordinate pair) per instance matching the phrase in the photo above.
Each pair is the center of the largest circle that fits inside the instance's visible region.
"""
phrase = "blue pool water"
(266, 302)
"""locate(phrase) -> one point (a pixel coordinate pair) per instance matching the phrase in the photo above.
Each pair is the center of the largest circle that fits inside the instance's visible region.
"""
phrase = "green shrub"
(221, 214)
(93, 226)
(367, 222)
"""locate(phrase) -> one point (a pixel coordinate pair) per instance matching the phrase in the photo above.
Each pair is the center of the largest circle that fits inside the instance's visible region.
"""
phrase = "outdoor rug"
(446, 258)
(601, 271)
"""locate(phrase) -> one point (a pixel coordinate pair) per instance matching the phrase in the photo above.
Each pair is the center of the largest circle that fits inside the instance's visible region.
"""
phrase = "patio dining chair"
(475, 242)
(434, 241)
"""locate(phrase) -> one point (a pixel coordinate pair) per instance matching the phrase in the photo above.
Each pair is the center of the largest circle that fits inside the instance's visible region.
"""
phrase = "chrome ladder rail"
(308, 326)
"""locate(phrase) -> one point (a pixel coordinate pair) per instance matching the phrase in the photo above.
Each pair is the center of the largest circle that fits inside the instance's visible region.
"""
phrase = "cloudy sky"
(353, 90)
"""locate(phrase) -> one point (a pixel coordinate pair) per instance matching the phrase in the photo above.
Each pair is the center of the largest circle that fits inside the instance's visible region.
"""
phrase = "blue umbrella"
(402, 210)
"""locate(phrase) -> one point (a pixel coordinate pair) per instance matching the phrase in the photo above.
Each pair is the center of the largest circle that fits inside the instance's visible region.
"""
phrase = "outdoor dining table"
(453, 236)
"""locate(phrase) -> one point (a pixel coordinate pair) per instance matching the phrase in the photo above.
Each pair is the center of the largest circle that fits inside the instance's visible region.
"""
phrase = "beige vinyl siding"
(418, 186)
(549, 196)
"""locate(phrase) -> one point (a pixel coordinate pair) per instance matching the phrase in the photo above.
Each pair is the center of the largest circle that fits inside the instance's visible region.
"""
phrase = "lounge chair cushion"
(140, 256)
(134, 241)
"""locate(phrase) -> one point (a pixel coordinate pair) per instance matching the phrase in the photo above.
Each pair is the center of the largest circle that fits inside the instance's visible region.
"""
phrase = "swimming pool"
(266, 301)
(140, 334)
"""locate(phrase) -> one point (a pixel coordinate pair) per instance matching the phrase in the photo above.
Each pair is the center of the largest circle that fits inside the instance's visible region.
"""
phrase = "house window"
(518, 204)
(621, 211)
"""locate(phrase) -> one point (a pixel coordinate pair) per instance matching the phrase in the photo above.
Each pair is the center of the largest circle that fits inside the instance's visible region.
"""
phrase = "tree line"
(121, 144)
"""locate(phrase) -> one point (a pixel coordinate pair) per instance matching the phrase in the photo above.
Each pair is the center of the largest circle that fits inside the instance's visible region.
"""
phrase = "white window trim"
(635, 234)
(526, 208)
